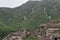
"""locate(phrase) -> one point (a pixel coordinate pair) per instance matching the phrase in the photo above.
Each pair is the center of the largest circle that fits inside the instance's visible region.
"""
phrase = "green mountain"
(29, 15)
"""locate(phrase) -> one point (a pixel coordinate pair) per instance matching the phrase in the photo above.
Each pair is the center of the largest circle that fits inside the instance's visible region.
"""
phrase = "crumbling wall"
(20, 35)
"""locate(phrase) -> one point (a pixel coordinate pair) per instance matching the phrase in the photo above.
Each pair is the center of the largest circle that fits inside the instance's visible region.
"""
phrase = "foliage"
(31, 37)
(30, 15)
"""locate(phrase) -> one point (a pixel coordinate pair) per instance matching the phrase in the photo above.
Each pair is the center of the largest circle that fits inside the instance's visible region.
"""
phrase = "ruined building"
(19, 35)
(48, 31)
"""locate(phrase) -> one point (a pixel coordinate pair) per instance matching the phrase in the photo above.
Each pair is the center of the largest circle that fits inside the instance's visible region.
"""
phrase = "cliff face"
(48, 31)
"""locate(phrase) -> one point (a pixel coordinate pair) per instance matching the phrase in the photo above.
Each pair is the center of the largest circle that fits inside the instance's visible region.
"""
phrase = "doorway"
(55, 38)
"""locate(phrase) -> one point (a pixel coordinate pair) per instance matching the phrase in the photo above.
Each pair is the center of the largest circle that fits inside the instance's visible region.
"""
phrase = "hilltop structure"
(48, 31)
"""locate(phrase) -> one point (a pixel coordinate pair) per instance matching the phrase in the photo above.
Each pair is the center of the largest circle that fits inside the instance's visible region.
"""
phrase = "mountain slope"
(29, 15)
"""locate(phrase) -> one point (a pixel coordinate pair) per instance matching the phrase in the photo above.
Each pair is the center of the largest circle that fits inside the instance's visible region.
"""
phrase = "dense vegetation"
(29, 15)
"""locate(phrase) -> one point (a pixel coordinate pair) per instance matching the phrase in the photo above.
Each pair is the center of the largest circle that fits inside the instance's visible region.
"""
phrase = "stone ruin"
(48, 31)
(19, 35)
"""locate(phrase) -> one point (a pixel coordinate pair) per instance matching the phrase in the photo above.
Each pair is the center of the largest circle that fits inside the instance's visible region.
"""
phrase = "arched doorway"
(55, 38)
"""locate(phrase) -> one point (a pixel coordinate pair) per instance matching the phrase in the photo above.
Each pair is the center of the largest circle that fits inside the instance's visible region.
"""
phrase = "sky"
(11, 3)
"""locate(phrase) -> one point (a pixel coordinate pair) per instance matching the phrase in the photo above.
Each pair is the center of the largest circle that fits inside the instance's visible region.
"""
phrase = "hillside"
(29, 15)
